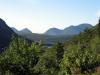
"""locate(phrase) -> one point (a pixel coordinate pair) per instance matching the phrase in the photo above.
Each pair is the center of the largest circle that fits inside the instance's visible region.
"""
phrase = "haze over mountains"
(72, 30)
(21, 32)
(51, 36)
(46, 39)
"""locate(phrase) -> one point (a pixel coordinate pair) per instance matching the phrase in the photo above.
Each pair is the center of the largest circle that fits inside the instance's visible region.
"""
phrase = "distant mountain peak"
(71, 30)
(71, 26)
(53, 31)
(25, 30)
(86, 24)
(21, 32)
(15, 30)
(54, 28)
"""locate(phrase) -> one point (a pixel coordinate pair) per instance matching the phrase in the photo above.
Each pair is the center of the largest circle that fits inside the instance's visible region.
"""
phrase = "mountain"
(5, 34)
(53, 35)
(25, 31)
(72, 30)
(15, 30)
(21, 32)
(53, 31)
(46, 39)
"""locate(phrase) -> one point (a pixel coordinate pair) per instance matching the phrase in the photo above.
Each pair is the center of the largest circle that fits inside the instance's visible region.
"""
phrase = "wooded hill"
(78, 56)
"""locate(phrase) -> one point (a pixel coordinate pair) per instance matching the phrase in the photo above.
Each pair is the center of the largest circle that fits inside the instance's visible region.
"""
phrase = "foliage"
(49, 62)
(78, 56)
(19, 58)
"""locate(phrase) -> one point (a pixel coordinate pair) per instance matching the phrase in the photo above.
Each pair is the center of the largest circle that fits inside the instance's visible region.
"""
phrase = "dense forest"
(77, 56)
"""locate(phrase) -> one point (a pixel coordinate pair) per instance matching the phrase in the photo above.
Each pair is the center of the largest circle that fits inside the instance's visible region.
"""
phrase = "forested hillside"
(78, 56)
(5, 34)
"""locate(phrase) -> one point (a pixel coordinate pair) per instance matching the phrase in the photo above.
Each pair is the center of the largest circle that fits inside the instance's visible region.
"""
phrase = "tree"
(59, 52)
(19, 58)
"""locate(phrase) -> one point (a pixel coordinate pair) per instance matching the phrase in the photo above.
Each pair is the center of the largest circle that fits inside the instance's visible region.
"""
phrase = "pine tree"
(19, 58)
(59, 52)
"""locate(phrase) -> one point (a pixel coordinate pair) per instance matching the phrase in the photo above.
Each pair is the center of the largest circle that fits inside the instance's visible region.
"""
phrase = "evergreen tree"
(60, 52)
(19, 58)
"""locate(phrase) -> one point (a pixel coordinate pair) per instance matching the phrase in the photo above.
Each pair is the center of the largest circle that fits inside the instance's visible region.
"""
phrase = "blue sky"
(40, 15)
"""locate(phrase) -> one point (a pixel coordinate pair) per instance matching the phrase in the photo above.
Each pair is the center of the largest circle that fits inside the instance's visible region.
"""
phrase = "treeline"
(82, 54)
(78, 56)
(24, 58)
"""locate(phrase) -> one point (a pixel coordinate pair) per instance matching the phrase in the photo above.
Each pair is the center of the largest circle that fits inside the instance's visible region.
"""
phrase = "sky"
(40, 15)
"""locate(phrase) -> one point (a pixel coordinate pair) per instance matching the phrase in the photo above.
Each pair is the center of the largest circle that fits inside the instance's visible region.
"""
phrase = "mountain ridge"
(21, 32)
(5, 34)
(50, 39)
(71, 30)
(56, 31)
